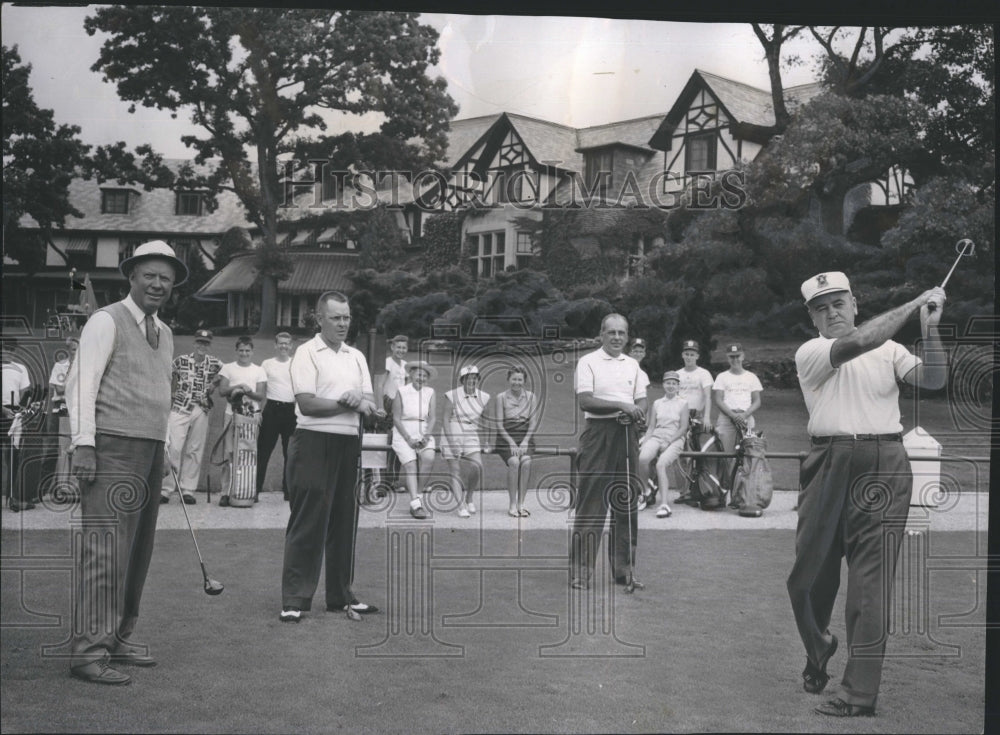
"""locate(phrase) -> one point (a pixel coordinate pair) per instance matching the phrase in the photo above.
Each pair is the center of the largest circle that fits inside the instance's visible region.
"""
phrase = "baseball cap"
(823, 283)
(734, 349)
(690, 344)
(468, 370)
(638, 342)
(202, 335)
(671, 375)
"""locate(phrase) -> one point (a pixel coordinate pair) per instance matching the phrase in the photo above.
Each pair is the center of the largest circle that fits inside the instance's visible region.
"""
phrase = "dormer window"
(599, 169)
(189, 203)
(114, 201)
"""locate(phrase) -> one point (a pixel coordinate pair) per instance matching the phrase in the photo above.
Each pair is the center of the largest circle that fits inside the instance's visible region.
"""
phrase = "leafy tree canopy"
(259, 83)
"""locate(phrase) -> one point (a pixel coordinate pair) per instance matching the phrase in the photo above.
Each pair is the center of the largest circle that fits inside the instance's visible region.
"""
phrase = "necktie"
(151, 336)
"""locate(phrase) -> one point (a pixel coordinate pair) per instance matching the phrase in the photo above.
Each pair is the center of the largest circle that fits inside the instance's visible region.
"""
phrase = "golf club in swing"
(965, 246)
(212, 587)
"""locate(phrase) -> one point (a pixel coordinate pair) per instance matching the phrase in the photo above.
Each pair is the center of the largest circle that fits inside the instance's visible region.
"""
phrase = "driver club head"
(213, 587)
(965, 246)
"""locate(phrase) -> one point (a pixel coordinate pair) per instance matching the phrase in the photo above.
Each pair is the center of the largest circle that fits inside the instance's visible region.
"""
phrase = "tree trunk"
(268, 308)
(831, 208)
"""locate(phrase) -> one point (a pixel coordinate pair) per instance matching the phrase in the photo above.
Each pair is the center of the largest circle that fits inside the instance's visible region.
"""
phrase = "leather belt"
(857, 438)
(273, 402)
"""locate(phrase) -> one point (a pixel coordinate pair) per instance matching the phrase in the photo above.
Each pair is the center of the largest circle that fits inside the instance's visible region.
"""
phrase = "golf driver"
(965, 246)
(212, 586)
(630, 583)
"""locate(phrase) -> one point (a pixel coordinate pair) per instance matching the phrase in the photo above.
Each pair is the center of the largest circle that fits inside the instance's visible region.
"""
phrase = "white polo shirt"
(610, 378)
(329, 373)
(859, 397)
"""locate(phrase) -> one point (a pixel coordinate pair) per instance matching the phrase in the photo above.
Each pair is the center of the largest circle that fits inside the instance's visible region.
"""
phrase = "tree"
(256, 81)
(381, 241)
(40, 159)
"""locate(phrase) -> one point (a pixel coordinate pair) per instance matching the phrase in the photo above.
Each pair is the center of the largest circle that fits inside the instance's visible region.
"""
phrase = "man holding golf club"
(855, 479)
(333, 390)
(611, 391)
(118, 398)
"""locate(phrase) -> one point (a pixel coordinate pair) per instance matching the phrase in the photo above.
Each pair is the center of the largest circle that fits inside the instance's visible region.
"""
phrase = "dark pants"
(322, 473)
(114, 543)
(854, 502)
(604, 484)
(12, 485)
(277, 419)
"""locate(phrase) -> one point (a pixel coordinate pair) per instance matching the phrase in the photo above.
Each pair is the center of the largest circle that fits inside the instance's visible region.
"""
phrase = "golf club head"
(213, 587)
(965, 246)
(352, 614)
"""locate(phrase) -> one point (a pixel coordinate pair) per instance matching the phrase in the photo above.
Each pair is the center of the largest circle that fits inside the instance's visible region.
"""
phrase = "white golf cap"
(823, 283)
(156, 249)
(468, 370)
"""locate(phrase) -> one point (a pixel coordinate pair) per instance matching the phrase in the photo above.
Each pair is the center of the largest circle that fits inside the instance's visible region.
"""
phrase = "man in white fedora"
(118, 398)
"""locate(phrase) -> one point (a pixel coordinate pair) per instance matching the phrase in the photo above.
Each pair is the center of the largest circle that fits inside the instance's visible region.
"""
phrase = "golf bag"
(753, 485)
(704, 489)
(243, 473)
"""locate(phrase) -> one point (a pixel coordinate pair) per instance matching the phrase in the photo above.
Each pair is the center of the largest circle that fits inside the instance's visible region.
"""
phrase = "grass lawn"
(709, 646)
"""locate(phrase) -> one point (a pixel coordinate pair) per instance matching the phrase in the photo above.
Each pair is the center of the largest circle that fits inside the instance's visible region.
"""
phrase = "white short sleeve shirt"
(859, 397)
(327, 373)
(610, 378)
(737, 389)
(692, 387)
(249, 375)
(279, 379)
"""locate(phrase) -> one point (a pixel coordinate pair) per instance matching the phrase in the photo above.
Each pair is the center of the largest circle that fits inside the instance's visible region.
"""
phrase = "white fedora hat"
(156, 249)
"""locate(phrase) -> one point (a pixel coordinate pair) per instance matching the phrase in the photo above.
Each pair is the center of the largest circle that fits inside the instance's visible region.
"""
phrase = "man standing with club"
(609, 384)
(194, 381)
(856, 480)
(333, 390)
(118, 398)
(16, 384)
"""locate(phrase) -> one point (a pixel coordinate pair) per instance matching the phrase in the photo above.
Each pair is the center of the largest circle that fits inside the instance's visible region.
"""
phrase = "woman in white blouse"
(462, 446)
(412, 441)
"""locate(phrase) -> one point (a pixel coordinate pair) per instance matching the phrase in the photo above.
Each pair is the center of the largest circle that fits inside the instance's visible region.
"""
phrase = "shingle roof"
(312, 273)
(149, 211)
(744, 103)
(635, 132)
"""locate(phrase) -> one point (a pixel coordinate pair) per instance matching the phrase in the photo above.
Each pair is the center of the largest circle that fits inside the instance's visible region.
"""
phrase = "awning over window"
(330, 234)
(300, 237)
(80, 245)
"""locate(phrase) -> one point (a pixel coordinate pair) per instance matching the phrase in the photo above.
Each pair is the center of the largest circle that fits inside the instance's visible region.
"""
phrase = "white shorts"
(404, 451)
(463, 443)
(664, 453)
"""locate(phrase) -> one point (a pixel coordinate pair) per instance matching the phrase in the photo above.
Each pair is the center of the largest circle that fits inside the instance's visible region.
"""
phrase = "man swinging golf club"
(855, 479)
(118, 399)
(609, 384)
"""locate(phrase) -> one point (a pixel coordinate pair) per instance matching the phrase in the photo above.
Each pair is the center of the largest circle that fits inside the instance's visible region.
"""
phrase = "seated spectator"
(413, 415)
(737, 396)
(517, 418)
(463, 423)
(664, 440)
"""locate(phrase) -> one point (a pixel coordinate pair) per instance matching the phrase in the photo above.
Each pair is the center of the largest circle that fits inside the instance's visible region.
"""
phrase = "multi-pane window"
(489, 254)
(524, 250)
(126, 248)
(189, 203)
(598, 171)
(114, 201)
(699, 152)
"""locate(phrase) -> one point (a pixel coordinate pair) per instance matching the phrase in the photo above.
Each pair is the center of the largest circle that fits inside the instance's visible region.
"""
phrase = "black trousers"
(322, 476)
(854, 502)
(604, 486)
(277, 419)
(12, 484)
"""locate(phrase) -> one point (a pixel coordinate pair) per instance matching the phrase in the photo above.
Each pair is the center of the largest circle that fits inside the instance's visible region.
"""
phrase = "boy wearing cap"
(736, 393)
(192, 383)
(695, 385)
(664, 439)
(118, 398)
(855, 479)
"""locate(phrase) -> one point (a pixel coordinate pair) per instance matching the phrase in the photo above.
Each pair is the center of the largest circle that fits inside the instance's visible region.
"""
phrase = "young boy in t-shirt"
(664, 439)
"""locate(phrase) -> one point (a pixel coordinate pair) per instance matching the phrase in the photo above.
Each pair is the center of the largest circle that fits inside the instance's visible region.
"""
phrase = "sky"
(574, 71)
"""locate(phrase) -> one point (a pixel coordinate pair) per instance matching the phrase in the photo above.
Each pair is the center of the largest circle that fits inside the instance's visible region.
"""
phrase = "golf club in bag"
(704, 489)
(212, 586)
(631, 585)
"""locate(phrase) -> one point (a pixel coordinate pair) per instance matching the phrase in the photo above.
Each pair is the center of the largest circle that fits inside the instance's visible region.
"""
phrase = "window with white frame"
(489, 253)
